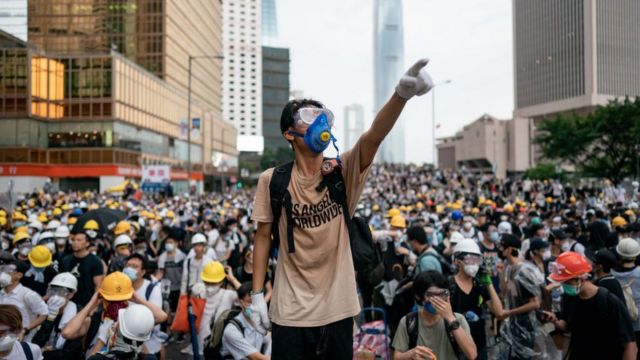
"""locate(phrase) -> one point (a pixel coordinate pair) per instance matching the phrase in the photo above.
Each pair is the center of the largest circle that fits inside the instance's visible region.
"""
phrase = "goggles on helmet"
(308, 115)
(558, 269)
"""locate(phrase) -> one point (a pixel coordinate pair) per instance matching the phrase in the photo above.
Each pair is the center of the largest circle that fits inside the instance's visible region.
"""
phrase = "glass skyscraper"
(13, 18)
(388, 67)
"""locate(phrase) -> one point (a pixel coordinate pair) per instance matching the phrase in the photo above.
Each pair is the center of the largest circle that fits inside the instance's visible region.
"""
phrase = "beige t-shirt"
(315, 285)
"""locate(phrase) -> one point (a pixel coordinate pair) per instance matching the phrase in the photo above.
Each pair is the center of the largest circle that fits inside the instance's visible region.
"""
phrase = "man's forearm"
(532, 305)
(630, 351)
(382, 125)
(261, 248)
(35, 323)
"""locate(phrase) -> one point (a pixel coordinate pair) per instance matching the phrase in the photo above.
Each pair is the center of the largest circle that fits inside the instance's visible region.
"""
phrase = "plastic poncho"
(521, 334)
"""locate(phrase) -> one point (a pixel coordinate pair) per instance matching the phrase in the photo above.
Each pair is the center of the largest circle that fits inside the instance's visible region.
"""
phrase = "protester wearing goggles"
(434, 331)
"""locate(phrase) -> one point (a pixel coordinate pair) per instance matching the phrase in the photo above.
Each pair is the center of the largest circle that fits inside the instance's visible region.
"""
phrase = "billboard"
(156, 173)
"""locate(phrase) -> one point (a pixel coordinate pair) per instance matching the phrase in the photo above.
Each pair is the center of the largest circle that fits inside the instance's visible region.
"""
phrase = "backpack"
(27, 350)
(413, 328)
(213, 344)
(629, 301)
(447, 268)
(147, 293)
(367, 259)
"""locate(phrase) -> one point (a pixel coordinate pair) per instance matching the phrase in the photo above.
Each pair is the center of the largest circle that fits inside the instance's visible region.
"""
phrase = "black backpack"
(213, 344)
(367, 259)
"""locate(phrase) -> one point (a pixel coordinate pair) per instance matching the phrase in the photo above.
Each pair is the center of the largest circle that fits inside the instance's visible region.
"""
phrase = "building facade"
(388, 67)
(353, 125)
(571, 56)
(242, 70)
(275, 94)
(13, 18)
(111, 77)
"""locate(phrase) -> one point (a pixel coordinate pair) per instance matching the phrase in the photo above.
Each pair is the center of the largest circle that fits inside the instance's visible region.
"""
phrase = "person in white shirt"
(10, 328)
(33, 309)
(135, 267)
(193, 265)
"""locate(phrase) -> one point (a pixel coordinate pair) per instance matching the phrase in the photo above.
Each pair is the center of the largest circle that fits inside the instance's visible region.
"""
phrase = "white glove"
(259, 314)
(415, 81)
(198, 290)
(55, 303)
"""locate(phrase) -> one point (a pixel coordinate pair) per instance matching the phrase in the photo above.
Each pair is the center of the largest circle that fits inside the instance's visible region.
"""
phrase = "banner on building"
(156, 173)
(184, 128)
(195, 129)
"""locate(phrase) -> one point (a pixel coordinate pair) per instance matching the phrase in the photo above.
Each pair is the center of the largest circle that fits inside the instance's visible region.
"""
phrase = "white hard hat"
(65, 280)
(83, 205)
(53, 225)
(36, 225)
(455, 237)
(33, 217)
(122, 240)
(628, 248)
(198, 239)
(46, 235)
(467, 246)
(61, 232)
(136, 322)
(504, 228)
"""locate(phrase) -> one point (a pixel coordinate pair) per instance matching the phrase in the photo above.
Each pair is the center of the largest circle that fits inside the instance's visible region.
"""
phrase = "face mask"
(428, 307)
(546, 255)
(212, 290)
(61, 241)
(247, 312)
(494, 236)
(471, 270)
(24, 251)
(131, 273)
(7, 341)
(5, 245)
(5, 279)
(467, 226)
(51, 246)
(318, 135)
(571, 290)
(169, 247)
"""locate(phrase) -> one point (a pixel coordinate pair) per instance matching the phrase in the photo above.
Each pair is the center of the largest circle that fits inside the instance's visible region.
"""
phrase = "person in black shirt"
(604, 260)
(470, 293)
(244, 273)
(599, 323)
(85, 266)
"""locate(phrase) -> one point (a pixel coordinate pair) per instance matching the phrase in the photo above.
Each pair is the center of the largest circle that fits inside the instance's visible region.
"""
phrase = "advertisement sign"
(183, 129)
(195, 129)
(156, 173)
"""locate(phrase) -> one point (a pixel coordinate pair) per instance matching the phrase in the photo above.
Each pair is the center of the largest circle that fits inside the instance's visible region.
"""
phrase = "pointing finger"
(415, 69)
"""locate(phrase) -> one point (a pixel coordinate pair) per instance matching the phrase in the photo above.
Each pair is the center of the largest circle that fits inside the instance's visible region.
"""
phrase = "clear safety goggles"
(442, 294)
(57, 290)
(471, 259)
(7, 268)
(308, 115)
(560, 270)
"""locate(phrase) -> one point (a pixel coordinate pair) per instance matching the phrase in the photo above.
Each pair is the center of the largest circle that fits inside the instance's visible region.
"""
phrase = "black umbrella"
(106, 218)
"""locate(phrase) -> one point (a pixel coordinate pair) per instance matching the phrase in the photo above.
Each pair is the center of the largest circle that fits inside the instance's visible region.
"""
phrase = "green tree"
(601, 144)
(271, 158)
(541, 171)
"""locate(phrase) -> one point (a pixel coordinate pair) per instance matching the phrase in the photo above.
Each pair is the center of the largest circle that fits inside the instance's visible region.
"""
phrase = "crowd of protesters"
(473, 266)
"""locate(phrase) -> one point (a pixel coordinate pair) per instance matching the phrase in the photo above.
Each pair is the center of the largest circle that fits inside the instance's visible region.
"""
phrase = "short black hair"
(244, 289)
(418, 234)
(286, 119)
(145, 262)
(427, 279)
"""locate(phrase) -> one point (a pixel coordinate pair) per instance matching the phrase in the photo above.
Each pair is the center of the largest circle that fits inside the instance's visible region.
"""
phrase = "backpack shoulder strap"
(334, 181)
(238, 325)
(278, 191)
(27, 350)
(413, 328)
(147, 293)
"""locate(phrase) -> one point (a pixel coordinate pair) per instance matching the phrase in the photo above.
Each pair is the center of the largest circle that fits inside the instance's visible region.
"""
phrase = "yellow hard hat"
(439, 209)
(19, 236)
(549, 199)
(618, 221)
(57, 212)
(18, 216)
(116, 287)
(475, 210)
(419, 205)
(66, 207)
(3, 213)
(3, 221)
(43, 218)
(213, 272)
(226, 205)
(508, 208)
(393, 212)
(93, 206)
(170, 214)
(40, 256)
(20, 229)
(72, 220)
(630, 213)
(398, 221)
(375, 207)
(572, 199)
(91, 225)
(123, 227)
(403, 208)
(456, 206)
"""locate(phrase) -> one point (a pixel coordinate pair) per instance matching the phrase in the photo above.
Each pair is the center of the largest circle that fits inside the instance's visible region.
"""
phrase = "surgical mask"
(7, 341)
(24, 251)
(247, 312)
(467, 226)
(5, 245)
(318, 135)
(546, 255)
(169, 247)
(471, 270)
(571, 290)
(61, 241)
(494, 236)
(428, 307)
(212, 290)
(131, 273)
(5, 279)
(51, 246)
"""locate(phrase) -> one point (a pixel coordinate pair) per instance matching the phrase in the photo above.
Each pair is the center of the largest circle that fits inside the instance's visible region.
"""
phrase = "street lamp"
(191, 58)
(433, 119)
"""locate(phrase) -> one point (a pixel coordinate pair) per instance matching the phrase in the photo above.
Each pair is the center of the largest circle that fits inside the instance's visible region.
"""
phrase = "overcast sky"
(468, 42)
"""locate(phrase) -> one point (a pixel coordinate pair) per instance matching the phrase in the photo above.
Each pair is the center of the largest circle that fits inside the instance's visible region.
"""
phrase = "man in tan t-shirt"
(314, 294)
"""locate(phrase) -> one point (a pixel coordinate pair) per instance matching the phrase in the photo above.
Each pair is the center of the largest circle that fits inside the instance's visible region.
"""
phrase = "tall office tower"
(573, 55)
(242, 71)
(388, 67)
(269, 23)
(353, 125)
(13, 18)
